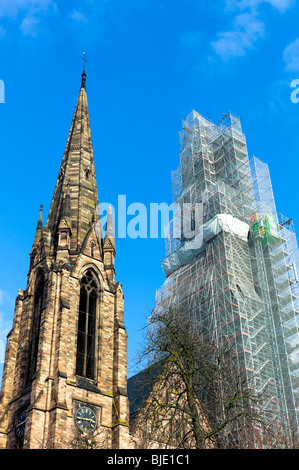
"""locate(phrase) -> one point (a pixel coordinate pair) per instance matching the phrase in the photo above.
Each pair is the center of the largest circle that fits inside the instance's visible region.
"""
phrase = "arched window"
(35, 328)
(85, 361)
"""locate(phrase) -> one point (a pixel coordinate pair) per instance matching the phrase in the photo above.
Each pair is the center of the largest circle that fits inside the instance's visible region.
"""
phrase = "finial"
(83, 82)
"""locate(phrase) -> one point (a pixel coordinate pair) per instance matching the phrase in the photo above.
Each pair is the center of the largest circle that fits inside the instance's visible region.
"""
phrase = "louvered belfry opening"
(85, 363)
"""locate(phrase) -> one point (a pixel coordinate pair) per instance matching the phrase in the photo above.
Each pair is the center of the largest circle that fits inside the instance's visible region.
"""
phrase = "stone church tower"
(65, 371)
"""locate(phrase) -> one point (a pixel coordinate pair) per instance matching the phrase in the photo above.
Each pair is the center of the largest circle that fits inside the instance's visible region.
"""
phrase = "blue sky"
(150, 63)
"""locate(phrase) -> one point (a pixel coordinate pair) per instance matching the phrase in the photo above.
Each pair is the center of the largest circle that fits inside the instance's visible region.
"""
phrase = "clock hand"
(20, 424)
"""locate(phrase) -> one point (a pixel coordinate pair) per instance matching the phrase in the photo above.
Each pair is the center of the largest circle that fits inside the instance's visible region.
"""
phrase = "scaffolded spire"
(76, 177)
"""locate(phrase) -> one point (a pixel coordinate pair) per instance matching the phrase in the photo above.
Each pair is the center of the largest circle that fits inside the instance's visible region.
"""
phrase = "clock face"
(86, 419)
(20, 425)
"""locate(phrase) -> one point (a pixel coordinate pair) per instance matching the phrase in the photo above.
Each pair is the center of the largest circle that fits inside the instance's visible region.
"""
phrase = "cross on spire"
(84, 60)
(83, 73)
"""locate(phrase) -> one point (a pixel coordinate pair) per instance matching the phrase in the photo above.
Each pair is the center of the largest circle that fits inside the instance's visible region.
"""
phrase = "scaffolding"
(243, 291)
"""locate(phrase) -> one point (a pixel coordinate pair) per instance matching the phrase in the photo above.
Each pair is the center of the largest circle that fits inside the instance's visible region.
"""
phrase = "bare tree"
(90, 440)
(280, 434)
(75, 439)
(191, 393)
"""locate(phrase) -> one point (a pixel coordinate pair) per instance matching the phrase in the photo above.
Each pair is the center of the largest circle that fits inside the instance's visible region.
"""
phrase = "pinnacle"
(39, 230)
(109, 233)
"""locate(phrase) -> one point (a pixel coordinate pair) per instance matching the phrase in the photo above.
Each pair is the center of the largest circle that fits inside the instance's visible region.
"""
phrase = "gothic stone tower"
(65, 372)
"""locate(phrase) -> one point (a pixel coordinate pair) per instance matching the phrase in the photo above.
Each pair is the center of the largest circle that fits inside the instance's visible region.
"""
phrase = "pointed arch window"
(35, 329)
(86, 336)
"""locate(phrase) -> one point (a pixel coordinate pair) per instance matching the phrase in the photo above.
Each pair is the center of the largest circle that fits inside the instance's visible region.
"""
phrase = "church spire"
(55, 334)
(76, 178)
